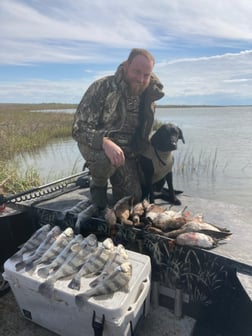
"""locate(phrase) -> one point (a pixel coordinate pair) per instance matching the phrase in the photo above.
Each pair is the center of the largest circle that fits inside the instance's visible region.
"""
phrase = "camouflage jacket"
(103, 110)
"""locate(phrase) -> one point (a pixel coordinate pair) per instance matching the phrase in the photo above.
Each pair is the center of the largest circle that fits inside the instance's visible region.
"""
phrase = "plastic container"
(112, 316)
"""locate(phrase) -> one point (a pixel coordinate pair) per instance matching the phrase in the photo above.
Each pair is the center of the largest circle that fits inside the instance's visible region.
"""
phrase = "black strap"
(98, 326)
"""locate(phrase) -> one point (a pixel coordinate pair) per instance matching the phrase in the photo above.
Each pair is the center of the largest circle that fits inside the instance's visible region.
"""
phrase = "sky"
(51, 51)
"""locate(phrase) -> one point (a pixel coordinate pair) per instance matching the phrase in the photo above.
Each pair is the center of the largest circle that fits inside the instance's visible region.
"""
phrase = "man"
(112, 125)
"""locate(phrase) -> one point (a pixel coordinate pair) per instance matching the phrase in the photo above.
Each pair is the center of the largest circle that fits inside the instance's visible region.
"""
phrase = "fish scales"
(115, 281)
(60, 242)
(50, 237)
(94, 263)
(33, 242)
(119, 256)
(61, 257)
(79, 253)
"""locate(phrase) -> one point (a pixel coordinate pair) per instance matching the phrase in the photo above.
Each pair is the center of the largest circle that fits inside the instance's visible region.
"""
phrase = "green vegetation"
(22, 130)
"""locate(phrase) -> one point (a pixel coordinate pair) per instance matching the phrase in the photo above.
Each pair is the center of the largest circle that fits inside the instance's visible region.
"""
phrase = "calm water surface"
(215, 162)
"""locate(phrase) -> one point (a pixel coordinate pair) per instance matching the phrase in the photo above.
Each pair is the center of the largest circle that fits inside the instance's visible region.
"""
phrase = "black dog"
(157, 161)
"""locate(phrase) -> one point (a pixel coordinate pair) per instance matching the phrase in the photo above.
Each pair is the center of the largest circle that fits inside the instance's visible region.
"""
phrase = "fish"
(196, 239)
(194, 226)
(80, 252)
(119, 256)
(115, 281)
(46, 243)
(43, 272)
(32, 243)
(57, 246)
(94, 263)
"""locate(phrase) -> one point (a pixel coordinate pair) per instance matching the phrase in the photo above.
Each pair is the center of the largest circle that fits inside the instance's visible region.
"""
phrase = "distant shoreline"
(56, 106)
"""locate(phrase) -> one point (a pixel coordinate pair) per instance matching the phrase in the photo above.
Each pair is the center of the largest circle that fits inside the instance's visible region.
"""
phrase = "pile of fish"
(55, 255)
(177, 225)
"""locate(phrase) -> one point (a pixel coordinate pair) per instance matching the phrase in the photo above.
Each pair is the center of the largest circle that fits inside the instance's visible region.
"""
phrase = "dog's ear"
(181, 136)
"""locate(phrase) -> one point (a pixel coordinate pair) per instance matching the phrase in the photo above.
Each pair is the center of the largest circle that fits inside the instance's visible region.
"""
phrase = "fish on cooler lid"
(119, 256)
(94, 263)
(32, 243)
(115, 281)
(44, 271)
(80, 252)
(57, 246)
(44, 245)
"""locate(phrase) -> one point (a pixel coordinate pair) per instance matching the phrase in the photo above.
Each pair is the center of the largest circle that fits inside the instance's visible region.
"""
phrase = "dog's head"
(166, 137)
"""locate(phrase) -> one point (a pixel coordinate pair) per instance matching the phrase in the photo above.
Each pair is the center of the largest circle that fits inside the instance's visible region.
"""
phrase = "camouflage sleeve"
(87, 128)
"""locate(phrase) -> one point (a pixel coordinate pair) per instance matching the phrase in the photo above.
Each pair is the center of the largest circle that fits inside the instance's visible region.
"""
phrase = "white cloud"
(183, 33)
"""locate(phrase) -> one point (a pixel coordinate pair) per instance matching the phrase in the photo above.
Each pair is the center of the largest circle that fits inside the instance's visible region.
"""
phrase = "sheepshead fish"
(119, 256)
(80, 252)
(32, 243)
(43, 272)
(57, 246)
(50, 238)
(94, 263)
(196, 239)
(117, 280)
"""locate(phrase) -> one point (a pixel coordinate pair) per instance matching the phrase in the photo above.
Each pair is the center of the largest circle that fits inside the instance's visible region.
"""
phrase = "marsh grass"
(188, 164)
(22, 130)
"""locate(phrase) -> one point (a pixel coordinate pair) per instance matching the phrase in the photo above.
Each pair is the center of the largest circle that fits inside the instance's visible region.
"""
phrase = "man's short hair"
(138, 51)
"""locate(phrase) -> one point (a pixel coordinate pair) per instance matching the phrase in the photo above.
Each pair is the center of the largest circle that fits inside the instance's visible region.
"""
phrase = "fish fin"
(74, 284)
(43, 272)
(46, 289)
(20, 265)
(80, 300)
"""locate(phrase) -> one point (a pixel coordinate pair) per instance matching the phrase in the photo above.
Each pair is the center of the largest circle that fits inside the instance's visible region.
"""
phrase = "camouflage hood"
(103, 109)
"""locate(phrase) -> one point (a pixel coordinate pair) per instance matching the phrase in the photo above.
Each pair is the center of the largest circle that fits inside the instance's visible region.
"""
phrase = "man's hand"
(113, 152)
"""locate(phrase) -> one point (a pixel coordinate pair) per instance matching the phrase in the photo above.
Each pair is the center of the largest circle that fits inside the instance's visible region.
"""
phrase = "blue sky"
(51, 51)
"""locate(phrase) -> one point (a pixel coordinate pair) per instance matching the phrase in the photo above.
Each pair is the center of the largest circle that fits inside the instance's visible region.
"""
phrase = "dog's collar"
(159, 158)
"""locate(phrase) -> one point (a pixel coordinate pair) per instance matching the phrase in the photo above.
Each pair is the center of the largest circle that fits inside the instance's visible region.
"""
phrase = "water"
(215, 162)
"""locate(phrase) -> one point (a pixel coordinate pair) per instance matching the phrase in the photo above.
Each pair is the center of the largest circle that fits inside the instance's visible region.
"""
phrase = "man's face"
(138, 73)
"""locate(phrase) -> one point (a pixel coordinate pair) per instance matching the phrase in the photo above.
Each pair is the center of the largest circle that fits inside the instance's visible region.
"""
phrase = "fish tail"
(80, 300)
(46, 289)
(43, 272)
(74, 284)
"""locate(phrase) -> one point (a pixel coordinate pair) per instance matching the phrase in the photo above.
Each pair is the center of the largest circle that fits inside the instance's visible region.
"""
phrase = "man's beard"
(135, 88)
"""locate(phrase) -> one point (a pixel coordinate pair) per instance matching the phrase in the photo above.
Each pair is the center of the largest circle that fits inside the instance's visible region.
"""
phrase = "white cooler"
(113, 316)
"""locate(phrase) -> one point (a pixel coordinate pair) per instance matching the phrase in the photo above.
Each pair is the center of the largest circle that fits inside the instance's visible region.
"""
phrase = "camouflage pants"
(125, 180)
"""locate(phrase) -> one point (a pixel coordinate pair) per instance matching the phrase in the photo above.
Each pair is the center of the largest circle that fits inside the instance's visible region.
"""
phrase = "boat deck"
(235, 252)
